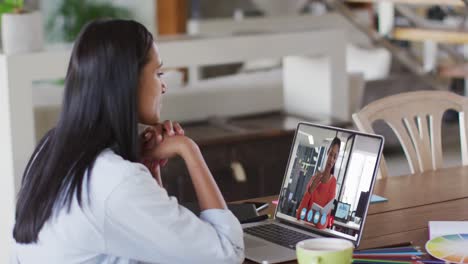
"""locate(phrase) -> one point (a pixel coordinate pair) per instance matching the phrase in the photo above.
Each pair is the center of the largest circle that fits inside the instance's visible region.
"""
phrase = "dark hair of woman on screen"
(321, 188)
(92, 190)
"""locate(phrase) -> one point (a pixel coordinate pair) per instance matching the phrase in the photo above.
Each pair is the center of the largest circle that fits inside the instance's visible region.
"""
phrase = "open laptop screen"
(328, 179)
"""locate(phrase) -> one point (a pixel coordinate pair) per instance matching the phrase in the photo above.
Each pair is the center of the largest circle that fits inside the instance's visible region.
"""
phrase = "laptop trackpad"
(260, 251)
(254, 243)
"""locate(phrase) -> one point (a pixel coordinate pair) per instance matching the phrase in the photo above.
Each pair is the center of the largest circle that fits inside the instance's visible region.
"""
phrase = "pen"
(404, 244)
(379, 261)
(388, 249)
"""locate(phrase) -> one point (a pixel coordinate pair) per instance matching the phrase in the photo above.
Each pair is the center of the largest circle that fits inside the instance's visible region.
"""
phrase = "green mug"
(324, 251)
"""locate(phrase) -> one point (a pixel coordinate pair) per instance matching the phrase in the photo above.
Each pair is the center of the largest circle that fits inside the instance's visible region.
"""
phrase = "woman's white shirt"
(129, 218)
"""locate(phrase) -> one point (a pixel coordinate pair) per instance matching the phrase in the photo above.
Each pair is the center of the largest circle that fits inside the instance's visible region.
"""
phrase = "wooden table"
(413, 200)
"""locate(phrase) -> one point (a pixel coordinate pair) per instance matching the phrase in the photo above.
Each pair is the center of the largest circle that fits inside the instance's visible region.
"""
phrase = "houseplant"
(21, 30)
(70, 16)
(10, 6)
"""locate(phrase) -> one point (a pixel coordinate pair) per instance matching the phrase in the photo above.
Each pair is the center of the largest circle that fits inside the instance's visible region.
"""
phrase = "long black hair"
(99, 111)
(335, 142)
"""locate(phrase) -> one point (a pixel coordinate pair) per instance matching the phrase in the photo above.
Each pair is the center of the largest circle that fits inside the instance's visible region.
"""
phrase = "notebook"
(377, 199)
(441, 228)
(325, 209)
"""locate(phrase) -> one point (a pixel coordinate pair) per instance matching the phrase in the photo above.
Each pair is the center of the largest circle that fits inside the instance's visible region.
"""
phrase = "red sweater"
(323, 194)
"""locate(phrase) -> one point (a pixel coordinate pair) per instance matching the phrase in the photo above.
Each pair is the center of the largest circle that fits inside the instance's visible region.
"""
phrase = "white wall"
(361, 168)
(7, 189)
(280, 7)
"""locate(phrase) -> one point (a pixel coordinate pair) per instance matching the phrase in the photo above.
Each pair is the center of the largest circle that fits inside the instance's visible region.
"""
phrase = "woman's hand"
(208, 194)
(150, 138)
(170, 147)
(154, 135)
(315, 182)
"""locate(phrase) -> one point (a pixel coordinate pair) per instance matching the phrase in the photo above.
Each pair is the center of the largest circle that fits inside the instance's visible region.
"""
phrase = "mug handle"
(315, 260)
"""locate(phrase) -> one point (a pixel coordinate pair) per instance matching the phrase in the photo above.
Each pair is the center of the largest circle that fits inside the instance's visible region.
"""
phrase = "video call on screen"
(328, 180)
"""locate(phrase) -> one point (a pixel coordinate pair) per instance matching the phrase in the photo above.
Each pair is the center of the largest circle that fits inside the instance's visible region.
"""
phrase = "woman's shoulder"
(108, 160)
(110, 170)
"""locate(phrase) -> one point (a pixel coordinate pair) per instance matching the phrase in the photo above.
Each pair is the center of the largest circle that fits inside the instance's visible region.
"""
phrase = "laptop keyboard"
(277, 234)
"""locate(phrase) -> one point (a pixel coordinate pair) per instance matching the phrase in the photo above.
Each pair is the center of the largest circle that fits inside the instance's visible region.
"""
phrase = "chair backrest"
(416, 119)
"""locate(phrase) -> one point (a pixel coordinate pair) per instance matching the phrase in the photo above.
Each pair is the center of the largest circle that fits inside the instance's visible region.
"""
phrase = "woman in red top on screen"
(321, 188)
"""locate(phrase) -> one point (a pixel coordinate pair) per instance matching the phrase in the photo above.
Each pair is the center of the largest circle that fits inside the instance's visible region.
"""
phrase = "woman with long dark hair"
(86, 197)
(321, 188)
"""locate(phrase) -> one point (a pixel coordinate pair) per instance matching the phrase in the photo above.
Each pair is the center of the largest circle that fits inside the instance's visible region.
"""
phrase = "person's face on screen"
(332, 156)
(150, 90)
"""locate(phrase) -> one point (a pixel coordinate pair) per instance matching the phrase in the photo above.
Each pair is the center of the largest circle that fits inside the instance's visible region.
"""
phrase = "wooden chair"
(416, 119)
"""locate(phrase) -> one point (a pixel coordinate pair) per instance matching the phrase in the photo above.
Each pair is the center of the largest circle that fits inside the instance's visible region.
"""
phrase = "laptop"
(323, 194)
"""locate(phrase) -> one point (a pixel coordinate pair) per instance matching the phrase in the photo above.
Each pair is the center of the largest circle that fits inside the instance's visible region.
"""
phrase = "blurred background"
(242, 74)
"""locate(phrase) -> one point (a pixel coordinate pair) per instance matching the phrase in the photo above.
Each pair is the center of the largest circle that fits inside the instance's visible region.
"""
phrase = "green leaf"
(74, 14)
(14, 3)
(6, 8)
